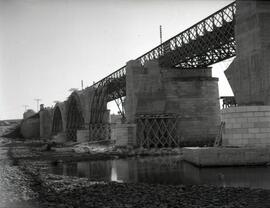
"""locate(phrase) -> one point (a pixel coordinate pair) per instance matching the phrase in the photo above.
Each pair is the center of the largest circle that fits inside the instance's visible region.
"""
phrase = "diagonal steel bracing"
(205, 43)
(209, 41)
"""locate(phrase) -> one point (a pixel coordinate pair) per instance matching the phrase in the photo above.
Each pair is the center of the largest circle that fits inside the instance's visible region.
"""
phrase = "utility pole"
(37, 100)
(160, 33)
(25, 107)
(82, 84)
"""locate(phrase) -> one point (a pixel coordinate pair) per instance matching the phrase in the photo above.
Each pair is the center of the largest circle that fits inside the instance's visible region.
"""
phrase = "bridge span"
(184, 57)
(168, 97)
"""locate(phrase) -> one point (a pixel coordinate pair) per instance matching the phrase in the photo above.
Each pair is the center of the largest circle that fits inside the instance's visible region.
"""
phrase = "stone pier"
(249, 74)
(246, 137)
(192, 95)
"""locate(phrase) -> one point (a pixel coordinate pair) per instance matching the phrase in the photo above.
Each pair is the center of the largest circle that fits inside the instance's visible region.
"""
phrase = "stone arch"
(75, 119)
(58, 124)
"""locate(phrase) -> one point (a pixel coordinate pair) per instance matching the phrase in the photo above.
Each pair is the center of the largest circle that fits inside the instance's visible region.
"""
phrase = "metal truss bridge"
(208, 42)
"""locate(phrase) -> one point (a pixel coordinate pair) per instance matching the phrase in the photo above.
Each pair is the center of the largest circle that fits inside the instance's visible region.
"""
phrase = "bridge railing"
(207, 25)
(185, 39)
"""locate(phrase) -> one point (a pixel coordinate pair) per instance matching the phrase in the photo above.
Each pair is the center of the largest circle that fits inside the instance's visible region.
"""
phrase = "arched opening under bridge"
(57, 125)
(75, 118)
(99, 127)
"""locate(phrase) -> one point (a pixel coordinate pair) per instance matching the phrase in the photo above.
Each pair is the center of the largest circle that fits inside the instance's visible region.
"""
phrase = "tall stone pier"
(191, 95)
(249, 74)
(247, 126)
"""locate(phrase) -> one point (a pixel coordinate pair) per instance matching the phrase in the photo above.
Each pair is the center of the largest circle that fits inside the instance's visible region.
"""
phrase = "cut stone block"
(212, 156)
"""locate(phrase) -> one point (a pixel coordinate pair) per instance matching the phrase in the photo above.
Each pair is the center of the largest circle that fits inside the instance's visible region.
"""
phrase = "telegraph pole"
(160, 33)
(25, 107)
(37, 100)
(82, 84)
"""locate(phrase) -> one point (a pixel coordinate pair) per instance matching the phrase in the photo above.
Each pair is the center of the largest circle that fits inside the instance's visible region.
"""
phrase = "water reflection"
(166, 170)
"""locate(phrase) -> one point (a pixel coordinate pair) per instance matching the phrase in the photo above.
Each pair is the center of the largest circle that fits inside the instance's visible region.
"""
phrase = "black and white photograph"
(134, 103)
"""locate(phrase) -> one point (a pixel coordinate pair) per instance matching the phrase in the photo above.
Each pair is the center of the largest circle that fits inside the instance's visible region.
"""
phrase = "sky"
(48, 46)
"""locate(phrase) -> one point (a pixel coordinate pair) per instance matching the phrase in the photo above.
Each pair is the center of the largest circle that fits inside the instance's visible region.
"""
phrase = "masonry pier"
(157, 97)
(247, 126)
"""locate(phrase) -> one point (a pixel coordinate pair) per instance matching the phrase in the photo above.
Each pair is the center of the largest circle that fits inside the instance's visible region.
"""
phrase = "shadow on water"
(166, 170)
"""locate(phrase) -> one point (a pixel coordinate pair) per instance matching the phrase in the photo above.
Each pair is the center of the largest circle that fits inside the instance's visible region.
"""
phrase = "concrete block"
(264, 108)
(237, 136)
(253, 130)
(249, 109)
(247, 136)
(247, 125)
(265, 135)
(236, 125)
(264, 119)
(265, 130)
(262, 124)
(248, 114)
(257, 114)
(254, 119)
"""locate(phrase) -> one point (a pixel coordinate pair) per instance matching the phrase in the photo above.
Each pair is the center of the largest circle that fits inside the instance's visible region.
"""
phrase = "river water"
(166, 170)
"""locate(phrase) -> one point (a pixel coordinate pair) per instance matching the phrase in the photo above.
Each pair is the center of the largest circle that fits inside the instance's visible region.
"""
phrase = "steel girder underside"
(208, 42)
(112, 89)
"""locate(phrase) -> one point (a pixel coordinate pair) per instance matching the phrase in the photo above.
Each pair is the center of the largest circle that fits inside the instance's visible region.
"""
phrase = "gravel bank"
(15, 185)
(63, 191)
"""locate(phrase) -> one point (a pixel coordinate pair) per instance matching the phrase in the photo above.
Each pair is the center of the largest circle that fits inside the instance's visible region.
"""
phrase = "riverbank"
(15, 185)
(43, 151)
(64, 191)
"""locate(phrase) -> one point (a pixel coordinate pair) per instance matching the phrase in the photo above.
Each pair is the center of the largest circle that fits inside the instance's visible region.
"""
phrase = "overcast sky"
(48, 46)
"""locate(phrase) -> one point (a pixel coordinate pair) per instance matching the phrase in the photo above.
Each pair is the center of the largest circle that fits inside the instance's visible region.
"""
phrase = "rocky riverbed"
(63, 191)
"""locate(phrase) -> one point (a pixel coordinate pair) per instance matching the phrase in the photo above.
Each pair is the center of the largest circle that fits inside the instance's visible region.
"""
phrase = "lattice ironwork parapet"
(209, 41)
(159, 130)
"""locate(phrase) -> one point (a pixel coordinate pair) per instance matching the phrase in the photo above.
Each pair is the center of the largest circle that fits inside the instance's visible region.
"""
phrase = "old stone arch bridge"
(167, 96)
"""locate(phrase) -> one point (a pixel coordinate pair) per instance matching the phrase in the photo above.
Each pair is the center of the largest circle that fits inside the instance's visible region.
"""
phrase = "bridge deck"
(205, 43)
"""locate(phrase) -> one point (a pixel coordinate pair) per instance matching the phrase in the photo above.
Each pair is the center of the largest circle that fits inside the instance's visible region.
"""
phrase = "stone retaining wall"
(246, 126)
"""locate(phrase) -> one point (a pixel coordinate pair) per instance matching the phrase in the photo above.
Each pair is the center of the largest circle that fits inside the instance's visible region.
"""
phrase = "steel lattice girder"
(75, 119)
(57, 125)
(203, 51)
(207, 42)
